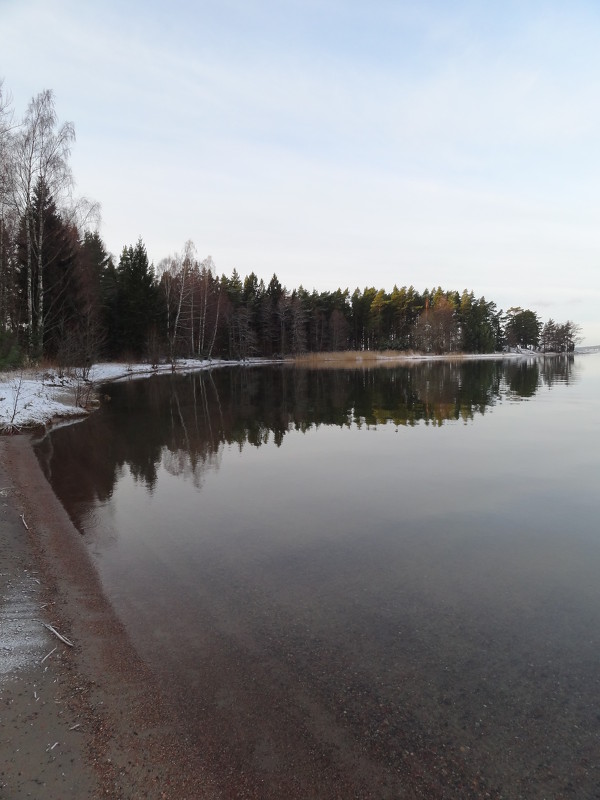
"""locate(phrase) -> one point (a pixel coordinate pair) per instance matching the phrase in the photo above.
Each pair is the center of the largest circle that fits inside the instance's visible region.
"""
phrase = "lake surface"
(378, 583)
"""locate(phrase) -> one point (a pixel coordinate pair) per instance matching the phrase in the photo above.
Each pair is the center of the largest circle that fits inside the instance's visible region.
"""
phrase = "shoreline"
(87, 721)
(37, 398)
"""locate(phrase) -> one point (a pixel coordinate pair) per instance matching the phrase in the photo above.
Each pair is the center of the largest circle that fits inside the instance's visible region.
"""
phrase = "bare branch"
(56, 633)
(84, 214)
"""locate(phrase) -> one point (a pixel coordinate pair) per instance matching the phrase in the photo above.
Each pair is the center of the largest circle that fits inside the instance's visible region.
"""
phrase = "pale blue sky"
(337, 143)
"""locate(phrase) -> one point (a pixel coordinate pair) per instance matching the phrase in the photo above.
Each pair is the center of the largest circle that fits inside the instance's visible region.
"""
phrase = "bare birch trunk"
(39, 337)
(203, 317)
(178, 314)
(29, 270)
(214, 336)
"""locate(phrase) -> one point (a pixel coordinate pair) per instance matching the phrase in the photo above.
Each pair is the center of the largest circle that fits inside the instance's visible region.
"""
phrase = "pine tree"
(137, 300)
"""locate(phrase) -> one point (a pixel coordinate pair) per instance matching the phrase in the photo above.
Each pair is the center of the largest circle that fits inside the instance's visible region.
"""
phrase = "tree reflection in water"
(184, 421)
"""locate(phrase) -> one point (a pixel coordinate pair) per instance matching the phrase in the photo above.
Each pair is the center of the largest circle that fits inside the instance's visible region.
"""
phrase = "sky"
(336, 143)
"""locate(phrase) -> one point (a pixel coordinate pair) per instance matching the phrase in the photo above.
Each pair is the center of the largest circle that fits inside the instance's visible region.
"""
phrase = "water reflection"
(386, 586)
(183, 422)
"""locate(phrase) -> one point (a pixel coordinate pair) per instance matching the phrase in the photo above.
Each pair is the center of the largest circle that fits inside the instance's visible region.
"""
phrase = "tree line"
(65, 298)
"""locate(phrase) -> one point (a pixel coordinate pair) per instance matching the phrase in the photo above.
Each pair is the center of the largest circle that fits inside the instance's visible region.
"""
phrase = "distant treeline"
(63, 297)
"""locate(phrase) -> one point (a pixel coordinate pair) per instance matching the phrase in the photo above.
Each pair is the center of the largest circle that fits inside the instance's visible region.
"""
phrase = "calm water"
(361, 583)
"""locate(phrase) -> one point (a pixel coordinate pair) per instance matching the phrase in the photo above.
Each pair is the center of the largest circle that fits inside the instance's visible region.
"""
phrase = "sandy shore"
(82, 721)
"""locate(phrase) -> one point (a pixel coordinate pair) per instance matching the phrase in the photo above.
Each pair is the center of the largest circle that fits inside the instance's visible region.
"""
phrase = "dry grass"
(365, 358)
(350, 357)
(358, 359)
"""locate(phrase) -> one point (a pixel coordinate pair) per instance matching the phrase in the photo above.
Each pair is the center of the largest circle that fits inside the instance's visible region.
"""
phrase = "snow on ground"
(35, 397)
(22, 641)
(587, 349)
(29, 398)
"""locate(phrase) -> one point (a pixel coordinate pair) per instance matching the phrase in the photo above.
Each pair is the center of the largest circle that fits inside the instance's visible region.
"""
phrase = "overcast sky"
(335, 142)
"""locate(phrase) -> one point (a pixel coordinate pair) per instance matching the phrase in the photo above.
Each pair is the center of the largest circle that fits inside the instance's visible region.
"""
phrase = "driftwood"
(23, 521)
(56, 633)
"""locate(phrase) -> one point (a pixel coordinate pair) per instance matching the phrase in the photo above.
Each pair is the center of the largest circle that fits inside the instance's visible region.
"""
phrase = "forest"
(65, 299)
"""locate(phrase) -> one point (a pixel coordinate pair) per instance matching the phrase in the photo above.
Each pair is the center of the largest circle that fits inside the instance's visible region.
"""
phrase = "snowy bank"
(33, 397)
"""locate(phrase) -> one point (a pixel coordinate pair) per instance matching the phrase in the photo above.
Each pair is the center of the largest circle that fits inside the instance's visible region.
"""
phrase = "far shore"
(378, 357)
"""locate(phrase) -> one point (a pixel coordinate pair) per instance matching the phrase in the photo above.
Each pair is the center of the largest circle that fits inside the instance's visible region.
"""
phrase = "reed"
(357, 359)
(351, 357)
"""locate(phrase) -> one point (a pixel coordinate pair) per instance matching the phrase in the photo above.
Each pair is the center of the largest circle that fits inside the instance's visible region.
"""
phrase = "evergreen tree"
(96, 282)
(522, 328)
(47, 275)
(137, 303)
(233, 287)
(477, 324)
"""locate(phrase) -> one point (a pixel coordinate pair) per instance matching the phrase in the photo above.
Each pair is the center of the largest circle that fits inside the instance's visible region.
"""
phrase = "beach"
(80, 721)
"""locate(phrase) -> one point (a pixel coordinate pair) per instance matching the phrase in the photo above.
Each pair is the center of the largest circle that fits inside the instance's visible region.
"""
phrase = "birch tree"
(175, 284)
(39, 159)
(205, 280)
(5, 135)
(7, 216)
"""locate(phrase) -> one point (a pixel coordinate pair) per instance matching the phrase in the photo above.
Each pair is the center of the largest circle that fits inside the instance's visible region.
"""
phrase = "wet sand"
(87, 721)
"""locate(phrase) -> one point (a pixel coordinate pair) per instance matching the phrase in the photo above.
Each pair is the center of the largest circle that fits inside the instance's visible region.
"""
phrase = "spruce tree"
(137, 301)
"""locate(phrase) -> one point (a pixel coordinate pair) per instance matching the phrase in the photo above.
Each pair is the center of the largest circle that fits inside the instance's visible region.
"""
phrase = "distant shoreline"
(374, 357)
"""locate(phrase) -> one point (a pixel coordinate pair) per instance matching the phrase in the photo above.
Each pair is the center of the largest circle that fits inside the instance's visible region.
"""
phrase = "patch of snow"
(22, 637)
(35, 397)
(588, 349)
(30, 398)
